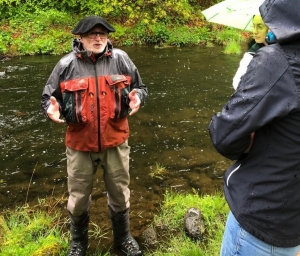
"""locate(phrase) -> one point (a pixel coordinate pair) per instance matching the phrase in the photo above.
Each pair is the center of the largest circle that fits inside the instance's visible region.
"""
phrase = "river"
(186, 87)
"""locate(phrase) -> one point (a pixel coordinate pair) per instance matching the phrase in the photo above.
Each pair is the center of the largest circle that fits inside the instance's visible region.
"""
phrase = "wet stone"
(193, 223)
(149, 237)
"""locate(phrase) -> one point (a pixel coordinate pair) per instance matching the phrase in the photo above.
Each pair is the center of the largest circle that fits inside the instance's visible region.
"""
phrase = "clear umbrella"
(233, 13)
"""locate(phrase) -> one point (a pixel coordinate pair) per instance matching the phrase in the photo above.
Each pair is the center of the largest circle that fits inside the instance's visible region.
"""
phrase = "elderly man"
(94, 88)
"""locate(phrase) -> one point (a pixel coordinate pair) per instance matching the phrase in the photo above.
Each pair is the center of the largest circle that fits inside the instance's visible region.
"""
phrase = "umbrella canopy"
(233, 13)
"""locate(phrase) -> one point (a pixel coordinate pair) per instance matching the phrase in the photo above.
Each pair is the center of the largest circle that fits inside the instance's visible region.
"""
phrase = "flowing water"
(186, 87)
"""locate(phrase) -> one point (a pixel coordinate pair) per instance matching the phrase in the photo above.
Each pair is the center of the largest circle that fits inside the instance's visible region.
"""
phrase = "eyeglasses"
(259, 27)
(93, 34)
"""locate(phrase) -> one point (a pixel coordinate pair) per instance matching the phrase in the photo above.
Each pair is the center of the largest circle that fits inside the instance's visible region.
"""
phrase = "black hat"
(88, 23)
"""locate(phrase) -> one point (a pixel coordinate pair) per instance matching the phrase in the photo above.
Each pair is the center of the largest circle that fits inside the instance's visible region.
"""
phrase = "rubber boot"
(79, 233)
(122, 237)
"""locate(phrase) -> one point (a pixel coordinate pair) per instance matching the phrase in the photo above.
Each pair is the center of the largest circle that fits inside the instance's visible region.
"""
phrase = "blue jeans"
(237, 241)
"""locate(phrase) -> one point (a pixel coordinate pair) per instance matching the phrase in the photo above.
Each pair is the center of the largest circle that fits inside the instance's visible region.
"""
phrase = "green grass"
(159, 171)
(33, 232)
(41, 230)
(171, 220)
(232, 47)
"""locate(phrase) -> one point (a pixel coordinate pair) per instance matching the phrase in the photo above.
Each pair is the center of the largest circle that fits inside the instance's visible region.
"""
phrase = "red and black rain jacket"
(93, 96)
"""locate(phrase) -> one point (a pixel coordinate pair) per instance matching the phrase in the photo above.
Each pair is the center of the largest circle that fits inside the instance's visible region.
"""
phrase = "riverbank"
(42, 229)
(35, 28)
(33, 149)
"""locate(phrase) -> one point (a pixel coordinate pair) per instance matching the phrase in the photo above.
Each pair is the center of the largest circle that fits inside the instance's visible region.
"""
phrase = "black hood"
(283, 18)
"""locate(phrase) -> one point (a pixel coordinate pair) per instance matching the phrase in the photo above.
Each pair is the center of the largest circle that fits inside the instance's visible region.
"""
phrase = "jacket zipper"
(117, 100)
(98, 106)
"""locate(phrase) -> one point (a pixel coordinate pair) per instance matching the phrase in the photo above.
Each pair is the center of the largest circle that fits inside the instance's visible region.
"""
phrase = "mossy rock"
(193, 223)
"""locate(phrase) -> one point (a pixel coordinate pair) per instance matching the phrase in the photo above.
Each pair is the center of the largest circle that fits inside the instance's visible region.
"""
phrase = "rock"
(149, 237)
(193, 223)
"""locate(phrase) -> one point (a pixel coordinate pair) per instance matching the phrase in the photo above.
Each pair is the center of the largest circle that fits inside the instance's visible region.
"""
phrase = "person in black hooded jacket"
(259, 127)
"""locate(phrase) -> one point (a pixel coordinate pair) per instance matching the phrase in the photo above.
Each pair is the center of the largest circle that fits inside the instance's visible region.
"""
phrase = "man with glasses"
(94, 88)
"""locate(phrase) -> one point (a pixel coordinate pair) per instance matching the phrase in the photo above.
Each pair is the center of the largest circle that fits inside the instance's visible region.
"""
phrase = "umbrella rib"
(213, 16)
(247, 24)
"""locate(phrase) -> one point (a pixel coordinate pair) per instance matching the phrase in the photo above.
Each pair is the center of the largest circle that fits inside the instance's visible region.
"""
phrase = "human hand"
(135, 102)
(53, 111)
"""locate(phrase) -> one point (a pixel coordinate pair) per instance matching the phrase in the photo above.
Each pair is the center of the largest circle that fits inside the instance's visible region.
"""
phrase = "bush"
(5, 39)
(44, 26)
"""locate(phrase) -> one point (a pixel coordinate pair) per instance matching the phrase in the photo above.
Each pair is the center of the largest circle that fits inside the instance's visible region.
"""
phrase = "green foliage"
(123, 35)
(25, 47)
(156, 33)
(180, 35)
(45, 32)
(5, 39)
(232, 47)
(204, 34)
(228, 34)
(232, 39)
(44, 26)
(183, 35)
(52, 17)
(173, 12)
